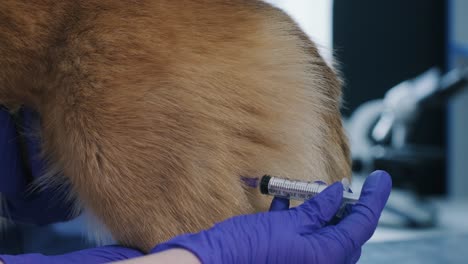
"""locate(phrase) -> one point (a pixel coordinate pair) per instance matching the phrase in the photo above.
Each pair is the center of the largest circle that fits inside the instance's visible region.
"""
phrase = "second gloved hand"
(20, 166)
(298, 235)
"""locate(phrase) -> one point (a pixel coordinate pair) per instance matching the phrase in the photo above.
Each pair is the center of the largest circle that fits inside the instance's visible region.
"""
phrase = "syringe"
(298, 190)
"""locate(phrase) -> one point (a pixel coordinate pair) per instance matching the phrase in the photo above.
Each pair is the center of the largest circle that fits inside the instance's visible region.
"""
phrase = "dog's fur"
(152, 109)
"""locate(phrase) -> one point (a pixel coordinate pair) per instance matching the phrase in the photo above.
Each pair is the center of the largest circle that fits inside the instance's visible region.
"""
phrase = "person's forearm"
(168, 256)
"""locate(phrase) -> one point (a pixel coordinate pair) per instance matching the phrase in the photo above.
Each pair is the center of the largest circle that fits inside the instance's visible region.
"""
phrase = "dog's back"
(154, 109)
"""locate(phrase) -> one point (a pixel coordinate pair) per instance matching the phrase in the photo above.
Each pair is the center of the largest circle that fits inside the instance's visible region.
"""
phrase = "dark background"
(381, 43)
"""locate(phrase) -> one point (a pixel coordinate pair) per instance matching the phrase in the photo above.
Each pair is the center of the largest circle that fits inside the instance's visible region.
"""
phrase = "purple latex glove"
(94, 255)
(18, 170)
(12, 178)
(299, 235)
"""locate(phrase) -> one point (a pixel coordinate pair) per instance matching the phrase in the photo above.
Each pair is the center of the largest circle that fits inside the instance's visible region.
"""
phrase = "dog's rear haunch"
(153, 109)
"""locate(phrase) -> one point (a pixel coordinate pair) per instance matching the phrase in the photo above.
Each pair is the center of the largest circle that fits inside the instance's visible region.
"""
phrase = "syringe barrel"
(297, 190)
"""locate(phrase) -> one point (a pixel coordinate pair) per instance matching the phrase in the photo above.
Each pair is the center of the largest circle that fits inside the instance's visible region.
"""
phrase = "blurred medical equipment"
(387, 134)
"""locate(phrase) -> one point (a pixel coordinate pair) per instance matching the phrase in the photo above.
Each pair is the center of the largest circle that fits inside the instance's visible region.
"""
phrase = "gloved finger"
(12, 176)
(33, 142)
(342, 213)
(358, 227)
(320, 209)
(94, 255)
(330, 243)
(40, 208)
(356, 256)
(279, 204)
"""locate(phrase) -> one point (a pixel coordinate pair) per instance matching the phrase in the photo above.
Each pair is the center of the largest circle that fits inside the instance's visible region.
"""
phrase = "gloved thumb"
(279, 204)
(320, 209)
(362, 222)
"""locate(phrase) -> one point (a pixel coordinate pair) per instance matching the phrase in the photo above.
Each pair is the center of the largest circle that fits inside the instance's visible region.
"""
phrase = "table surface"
(442, 248)
(446, 242)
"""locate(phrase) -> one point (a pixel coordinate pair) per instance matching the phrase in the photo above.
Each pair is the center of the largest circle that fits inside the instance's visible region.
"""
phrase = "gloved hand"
(298, 235)
(104, 254)
(11, 176)
(19, 169)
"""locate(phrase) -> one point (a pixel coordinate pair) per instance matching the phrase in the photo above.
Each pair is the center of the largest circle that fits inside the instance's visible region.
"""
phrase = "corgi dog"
(152, 110)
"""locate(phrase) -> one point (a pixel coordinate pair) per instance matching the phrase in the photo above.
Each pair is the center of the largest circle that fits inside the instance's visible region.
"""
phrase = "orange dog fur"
(152, 109)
